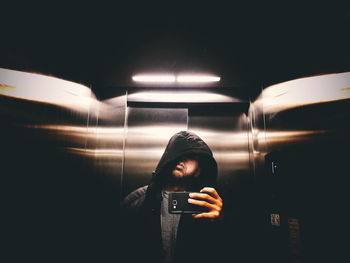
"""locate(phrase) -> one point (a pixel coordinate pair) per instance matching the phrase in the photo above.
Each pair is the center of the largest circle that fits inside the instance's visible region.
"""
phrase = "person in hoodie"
(150, 233)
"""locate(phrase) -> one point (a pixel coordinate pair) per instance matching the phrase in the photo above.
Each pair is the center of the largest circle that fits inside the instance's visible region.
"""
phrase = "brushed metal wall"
(107, 148)
(46, 181)
(68, 159)
(152, 120)
(224, 127)
(148, 131)
(299, 136)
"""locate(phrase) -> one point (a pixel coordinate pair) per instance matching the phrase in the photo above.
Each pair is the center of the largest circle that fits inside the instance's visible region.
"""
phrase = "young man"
(153, 234)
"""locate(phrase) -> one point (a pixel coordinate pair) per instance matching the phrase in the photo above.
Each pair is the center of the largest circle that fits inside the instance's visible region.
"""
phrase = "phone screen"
(178, 204)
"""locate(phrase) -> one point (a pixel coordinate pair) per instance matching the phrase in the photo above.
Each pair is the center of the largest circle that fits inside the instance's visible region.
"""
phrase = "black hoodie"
(141, 209)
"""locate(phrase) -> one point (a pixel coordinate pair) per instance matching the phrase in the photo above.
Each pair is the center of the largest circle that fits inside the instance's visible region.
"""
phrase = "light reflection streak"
(46, 89)
(144, 136)
(102, 153)
(167, 78)
(180, 96)
(197, 78)
(147, 147)
(233, 155)
(223, 139)
(159, 135)
(287, 136)
(106, 133)
(154, 130)
(305, 91)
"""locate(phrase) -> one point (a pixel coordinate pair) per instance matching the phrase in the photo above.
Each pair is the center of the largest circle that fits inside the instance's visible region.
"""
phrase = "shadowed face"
(186, 167)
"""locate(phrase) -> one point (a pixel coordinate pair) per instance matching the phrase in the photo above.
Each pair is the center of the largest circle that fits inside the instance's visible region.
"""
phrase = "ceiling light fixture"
(197, 78)
(154, 78)
(169, 78)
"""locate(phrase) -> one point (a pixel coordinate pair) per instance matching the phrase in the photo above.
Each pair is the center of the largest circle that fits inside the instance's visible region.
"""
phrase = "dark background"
(250, 45)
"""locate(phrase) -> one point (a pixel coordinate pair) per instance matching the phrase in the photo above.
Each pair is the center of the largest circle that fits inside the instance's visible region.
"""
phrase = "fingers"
(204, 204)
(203, 196)
(210, 199)
(211, 191)
(207, 215)
(210, 194)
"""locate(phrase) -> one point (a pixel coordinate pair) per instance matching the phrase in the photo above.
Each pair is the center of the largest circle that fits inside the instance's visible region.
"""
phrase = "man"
(150, 232)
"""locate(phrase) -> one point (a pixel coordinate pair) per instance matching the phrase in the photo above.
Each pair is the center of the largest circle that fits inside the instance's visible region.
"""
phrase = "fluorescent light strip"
(154, 78)
(172, 78)
(197, 78)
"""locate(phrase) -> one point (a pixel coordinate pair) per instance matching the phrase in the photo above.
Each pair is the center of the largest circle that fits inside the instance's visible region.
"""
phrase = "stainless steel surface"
(107, 148)
(148, 132)
(46, 89)
(68, 159)
(299, 136)
(222, 126)
(46, 177)
(226, 133)
(225, 129)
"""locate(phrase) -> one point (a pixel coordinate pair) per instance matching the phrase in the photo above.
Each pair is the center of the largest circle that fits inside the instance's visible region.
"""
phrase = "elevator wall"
(67, 160)
(299, 140)
(50, 194)
(223, 125)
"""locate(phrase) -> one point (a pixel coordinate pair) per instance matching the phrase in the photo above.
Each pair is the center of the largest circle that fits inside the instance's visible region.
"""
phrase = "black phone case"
(178, 204)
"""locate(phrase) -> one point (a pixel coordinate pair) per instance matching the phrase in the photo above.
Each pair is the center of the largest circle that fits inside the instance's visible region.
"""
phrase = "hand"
(210, 199)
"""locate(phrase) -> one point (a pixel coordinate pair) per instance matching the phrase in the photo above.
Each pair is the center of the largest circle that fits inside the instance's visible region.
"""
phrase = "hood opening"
(182, 144)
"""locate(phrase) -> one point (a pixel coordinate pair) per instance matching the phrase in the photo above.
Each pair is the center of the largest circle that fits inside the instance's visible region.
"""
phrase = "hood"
(187, 143)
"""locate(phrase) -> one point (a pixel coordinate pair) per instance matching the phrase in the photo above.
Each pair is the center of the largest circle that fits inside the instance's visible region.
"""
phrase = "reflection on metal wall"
(46, 89)
(69, 158)
(300, 130)
(45, 173)
(148, 132)
(215, 116)
(181, 96)
(225, 131)
(107, 149)
(223, 126)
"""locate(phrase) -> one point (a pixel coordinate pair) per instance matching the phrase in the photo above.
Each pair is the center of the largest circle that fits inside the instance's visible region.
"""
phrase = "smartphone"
(178, 204)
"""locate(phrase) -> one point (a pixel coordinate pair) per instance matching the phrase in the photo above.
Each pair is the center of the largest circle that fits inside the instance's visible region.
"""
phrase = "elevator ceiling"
(248, 46)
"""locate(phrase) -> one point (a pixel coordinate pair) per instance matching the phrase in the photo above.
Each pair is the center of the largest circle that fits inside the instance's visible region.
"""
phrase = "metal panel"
(224, 129)
(107, 148)
(300, 130)
(46, 180)
(148, 132)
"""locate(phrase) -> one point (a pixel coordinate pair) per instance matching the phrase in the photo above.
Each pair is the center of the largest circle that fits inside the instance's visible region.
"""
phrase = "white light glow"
(170, 78)
(186, 97)
(46, 89)
(99, 153)
(305, 91)
(154, 78)
(197, 79)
